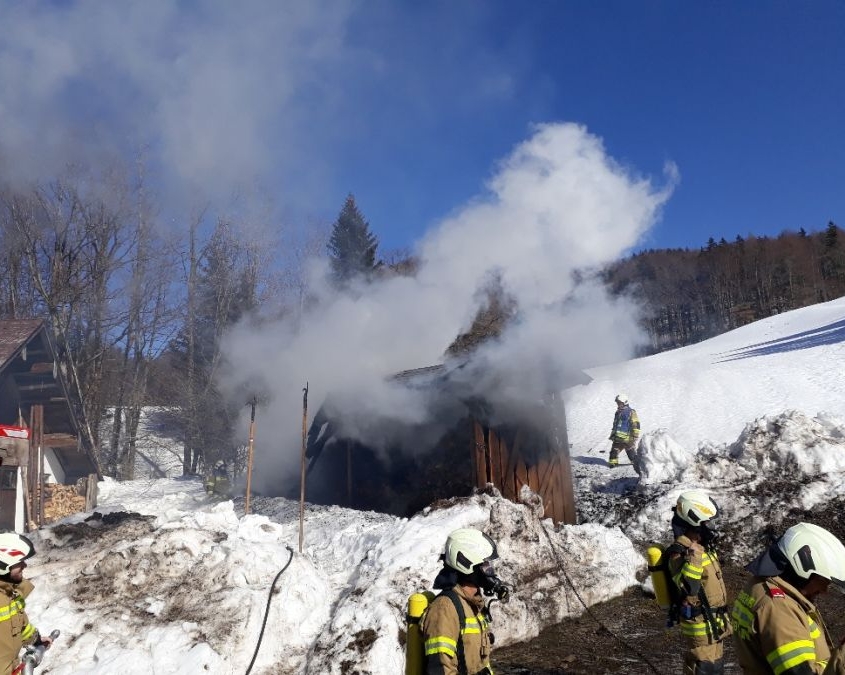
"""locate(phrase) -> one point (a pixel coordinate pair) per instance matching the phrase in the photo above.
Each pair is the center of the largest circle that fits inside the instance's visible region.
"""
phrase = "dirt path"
(627, 635)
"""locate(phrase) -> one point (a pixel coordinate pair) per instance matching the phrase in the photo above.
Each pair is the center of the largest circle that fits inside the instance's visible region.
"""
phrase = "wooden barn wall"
(510, 459)
(401, 483)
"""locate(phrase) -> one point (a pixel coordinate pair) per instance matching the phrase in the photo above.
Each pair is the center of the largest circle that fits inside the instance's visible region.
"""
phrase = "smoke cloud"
(224, 97)
(556, 208)
(217, 95)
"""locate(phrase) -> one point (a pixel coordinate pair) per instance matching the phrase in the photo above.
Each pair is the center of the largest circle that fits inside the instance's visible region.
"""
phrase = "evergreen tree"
(352, 247)
(830, 235)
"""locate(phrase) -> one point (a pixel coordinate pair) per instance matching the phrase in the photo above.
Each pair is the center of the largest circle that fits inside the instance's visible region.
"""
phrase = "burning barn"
(467, 442)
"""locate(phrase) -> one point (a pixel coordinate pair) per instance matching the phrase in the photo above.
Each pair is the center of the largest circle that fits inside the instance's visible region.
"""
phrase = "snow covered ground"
(164, 579)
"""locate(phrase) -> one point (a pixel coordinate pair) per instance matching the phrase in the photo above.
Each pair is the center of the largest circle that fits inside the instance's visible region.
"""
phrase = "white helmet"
(621, 398)
(811, 549)
(466, 548)
(14, 549)
(696, 508)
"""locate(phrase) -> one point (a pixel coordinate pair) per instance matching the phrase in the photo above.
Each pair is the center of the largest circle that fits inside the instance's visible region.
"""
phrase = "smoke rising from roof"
(556, 208)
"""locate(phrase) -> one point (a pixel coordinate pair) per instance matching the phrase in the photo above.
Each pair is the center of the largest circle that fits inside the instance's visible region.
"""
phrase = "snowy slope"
(755, 416)
(709, 391)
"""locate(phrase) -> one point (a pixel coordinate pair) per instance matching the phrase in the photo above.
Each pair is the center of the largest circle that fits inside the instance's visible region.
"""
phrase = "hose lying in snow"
(589, 611)
(267, 611)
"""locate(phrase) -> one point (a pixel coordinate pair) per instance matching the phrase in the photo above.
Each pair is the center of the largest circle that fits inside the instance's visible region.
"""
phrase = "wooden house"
(46, 469)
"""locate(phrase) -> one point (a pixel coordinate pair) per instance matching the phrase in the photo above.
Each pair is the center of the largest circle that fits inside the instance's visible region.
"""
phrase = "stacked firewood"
(61, 501)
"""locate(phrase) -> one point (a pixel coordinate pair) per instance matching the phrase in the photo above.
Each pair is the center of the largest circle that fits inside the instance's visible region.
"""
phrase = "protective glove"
(40, 640)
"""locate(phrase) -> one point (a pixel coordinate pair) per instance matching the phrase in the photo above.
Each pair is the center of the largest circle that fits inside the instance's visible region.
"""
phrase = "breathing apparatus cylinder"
(414, 644)
(658, 579)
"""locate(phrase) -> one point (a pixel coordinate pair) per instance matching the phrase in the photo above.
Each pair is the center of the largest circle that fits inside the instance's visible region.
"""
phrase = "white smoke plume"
(220, 97)
(557, 205)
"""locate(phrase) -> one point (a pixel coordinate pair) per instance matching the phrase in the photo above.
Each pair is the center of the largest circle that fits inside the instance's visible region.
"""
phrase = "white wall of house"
(52, 469)
(19, 522)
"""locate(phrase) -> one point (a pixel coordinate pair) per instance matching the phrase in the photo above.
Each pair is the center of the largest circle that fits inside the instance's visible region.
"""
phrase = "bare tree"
(148, 320)
(72, 246)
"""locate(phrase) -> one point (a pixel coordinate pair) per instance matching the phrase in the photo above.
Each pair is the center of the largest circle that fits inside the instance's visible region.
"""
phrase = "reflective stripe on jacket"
(777, 630)
(626, 425)
(15, 628)
(694, 572)
(441, 633)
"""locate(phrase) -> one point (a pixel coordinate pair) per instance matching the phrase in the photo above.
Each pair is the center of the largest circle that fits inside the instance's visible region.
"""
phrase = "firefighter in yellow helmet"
(777, 629)
(695, 570)
(456, 624)
(625, 434)
(15, 629)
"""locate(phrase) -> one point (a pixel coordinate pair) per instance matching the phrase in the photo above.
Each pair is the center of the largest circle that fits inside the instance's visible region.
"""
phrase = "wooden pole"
(349, 474)
(302, 466)
(39, 471)
(252, 403)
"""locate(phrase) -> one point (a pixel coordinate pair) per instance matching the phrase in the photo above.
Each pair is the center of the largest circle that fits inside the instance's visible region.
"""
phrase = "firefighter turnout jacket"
(15, 628)
(703, 618)
(626, 427)
(442, 631)
(777, 630)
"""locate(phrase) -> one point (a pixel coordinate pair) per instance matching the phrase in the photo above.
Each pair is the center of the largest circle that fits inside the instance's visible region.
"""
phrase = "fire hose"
(33, 655)
(267, 611)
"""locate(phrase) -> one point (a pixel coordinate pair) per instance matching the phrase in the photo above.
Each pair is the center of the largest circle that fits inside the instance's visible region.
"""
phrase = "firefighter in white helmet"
(702, 611)
(625, 433)
(777, 628)
(15, 629)
(455, 626)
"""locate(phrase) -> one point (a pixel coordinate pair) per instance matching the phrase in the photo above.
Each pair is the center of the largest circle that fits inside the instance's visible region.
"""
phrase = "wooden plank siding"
(479, 455)
(497, 473)
(500, 458)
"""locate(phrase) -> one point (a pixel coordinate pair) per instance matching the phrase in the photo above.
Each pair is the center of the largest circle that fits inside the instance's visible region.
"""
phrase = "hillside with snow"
(164, 579)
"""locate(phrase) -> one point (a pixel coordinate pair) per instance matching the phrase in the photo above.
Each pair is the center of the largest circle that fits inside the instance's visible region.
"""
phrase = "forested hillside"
(691, 295)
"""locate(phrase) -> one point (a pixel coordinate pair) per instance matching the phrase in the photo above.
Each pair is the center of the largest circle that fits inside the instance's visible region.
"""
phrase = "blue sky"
(410, 105)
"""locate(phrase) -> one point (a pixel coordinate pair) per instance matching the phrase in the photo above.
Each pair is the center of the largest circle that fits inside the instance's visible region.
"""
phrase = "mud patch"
(97, 527)
(361, 642)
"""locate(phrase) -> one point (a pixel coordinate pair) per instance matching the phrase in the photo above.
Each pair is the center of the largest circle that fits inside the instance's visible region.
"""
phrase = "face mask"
(709, 535)
(489, 583)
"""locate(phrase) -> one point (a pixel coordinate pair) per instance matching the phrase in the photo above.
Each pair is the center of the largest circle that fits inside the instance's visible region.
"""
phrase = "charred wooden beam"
(43, 367)
(60, 440)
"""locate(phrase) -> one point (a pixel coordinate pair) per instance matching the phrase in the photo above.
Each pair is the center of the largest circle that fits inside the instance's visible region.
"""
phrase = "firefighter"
(15, 629)
(455, 626)
(777, 629)
(625, 434)
(218, 482)
(695, 570)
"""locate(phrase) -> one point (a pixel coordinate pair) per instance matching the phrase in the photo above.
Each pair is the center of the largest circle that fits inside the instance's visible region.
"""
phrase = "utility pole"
(302, 466)
(252, 403)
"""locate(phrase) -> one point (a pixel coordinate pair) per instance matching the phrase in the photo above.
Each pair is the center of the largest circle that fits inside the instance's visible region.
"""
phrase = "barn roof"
(445, 378)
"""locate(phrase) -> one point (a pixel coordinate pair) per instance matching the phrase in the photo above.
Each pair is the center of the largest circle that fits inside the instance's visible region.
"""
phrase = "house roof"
(14, 334)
